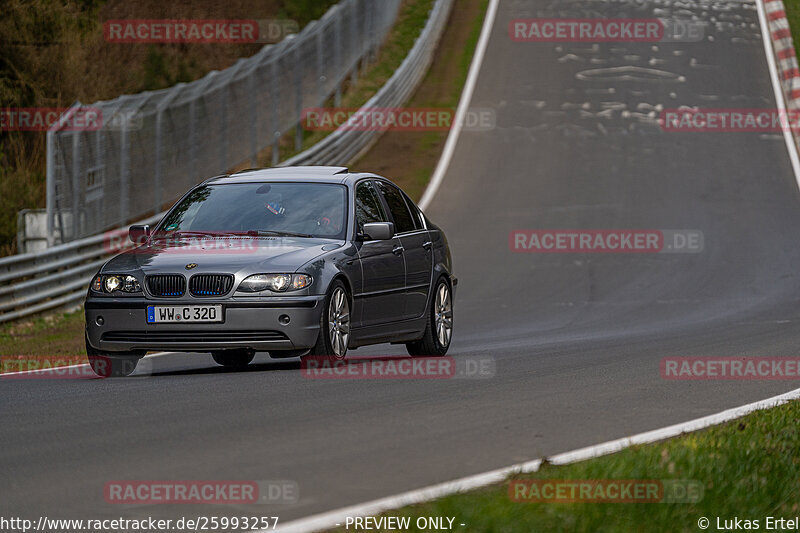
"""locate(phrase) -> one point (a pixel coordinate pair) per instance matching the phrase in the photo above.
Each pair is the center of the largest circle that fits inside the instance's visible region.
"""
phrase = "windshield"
(290, 209)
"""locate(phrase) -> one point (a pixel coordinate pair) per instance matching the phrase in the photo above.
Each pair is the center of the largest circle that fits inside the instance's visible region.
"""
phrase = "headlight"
(275, 282)
(112, 283)
(124, 283)
(131, 284)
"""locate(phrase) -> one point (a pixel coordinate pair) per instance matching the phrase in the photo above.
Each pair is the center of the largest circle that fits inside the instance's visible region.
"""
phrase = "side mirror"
(138, 234)
(378, 231)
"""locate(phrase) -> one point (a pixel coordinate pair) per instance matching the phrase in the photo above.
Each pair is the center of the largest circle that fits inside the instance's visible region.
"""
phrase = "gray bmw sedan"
(296, 261)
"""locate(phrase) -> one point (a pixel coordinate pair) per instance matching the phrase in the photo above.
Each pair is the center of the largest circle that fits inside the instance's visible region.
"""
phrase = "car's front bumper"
(250, 323)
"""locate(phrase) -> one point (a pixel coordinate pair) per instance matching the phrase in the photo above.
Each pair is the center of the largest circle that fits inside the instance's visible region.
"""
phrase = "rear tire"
(334, 325)
(439, 327)
(111, 365)
(237, 359)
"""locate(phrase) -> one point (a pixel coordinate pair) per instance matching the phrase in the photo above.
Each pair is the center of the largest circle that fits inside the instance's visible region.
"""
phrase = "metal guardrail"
(60, 276)
(345, 144)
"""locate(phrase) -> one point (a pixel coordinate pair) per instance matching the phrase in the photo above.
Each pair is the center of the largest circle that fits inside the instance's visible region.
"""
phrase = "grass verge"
(52, 340)
(411, 20)
(409, 157)
(793, 14)
(749, 468)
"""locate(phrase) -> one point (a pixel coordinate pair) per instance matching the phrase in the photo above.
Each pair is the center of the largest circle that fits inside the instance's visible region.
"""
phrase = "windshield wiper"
(181, 233)
(271, 233)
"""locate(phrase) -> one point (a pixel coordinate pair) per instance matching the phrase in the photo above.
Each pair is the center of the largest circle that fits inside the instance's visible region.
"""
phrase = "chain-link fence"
(150, 147)
(57, 277)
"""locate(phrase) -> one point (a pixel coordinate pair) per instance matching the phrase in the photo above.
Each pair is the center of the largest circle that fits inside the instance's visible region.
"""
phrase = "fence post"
(100, 173)
(192, 173)
(367, 50)
(51, 189)
(76, 168)
(223, 145)
(275, 121)
(123, 173)
(298, 78)
(354, 46)
(157, 163)
(337, 57)
(321, 79)
(254, 120)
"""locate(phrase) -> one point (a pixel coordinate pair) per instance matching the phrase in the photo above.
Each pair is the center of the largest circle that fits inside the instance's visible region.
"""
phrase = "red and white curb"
(772, 13)
(783, 71)
(783, 48)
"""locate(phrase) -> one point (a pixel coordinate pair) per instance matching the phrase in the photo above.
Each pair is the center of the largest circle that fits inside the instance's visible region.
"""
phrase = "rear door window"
(403, 221)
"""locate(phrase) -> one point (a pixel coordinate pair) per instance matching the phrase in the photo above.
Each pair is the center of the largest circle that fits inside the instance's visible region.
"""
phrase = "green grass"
(441, 88)
(793, 14)
(750, 468)
(410, 22)
(55, 334)
(433, 138)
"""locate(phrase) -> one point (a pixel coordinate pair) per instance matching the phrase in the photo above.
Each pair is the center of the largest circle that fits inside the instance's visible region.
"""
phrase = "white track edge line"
(463, 106)
(329, 519)
(777, 87)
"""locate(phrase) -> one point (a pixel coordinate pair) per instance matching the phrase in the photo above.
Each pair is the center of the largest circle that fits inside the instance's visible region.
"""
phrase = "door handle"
(427, 245)
(397, 250)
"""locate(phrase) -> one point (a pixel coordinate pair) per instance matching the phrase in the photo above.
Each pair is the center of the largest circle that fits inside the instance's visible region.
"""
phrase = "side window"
(368, 207)
(415, 212)
(397, 205)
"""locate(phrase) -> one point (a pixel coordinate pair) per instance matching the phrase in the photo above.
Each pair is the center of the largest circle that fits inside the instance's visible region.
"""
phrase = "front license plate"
(184, 313)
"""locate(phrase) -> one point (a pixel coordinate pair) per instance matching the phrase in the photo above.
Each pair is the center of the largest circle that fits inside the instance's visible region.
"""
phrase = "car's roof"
(303, 173)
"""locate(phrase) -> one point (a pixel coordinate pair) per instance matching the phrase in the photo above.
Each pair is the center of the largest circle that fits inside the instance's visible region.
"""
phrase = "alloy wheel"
(339, 322)
(444, 315)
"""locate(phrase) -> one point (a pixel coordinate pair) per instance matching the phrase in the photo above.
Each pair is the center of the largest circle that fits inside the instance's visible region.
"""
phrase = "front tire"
(439, 327)
(237, 359)
(334, 325)
(111, 365)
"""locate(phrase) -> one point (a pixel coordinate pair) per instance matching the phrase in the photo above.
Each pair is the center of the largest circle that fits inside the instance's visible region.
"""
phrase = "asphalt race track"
(576, 339)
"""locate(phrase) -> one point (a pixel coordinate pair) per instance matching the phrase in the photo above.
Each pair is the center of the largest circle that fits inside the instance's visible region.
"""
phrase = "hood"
(221, 255)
